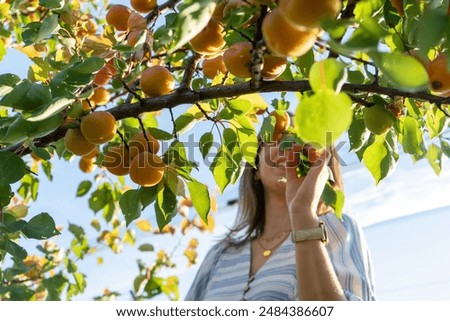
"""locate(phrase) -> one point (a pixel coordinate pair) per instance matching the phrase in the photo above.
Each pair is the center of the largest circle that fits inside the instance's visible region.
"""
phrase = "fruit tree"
(115, 86)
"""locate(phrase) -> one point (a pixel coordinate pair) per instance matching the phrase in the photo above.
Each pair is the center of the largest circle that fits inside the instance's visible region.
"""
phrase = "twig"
(189, 71)
(174, 124)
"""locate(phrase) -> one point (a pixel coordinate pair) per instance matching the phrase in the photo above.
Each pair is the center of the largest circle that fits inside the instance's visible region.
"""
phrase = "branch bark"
(226, 91)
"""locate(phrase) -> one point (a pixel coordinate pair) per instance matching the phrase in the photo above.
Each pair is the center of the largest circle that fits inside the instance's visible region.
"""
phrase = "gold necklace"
(268, 252)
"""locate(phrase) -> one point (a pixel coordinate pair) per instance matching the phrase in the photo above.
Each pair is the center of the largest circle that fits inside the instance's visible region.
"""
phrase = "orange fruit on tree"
(209, 40)
(309, 14)
(143, 6)
(100, 96)
(157, 81)
(117, 16)
(218, 11)
(439, 75)
(117, 160)
(136, 22)
(76, 143)
(93, 154)
(237, 59)
(282, 122)
(98, 127)
(104, 75)
(283, 39)
(147, 169)
(213, 66)
(138, 144)
(86, 165)
(273, 66)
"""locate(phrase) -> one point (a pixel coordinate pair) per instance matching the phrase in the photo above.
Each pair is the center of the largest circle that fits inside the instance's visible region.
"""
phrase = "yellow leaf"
(99, 260)
(144, 225)
(30, 51)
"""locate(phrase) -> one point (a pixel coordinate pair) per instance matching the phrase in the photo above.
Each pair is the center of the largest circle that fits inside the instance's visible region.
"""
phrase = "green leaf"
(77, 231)
(53, 108)
(205, 143)
(40, 227)
(434, 156)
(248, 139)
(27, 96)
(327, 74)
(146, 248)
(88, 66)
(200, 198)
(52, 4)
(147, 195)
(130, 205)
(411, 136)
(6, 194)
(7, 83)
(80, 281)
(333, 198)
(15, 250)
(12, 168)
(184, 122)
(323, 117)
(222, 169)
(404, 72)
(159, 134)
(193, 17)
(436, 122)
(357, 134)
(100, 198)
(380, 159)
(445, 147)
(432, 28)
(83, 188)
(55, 285)
(49, 27)
(165, 206)
(22, 129)
(239, 106)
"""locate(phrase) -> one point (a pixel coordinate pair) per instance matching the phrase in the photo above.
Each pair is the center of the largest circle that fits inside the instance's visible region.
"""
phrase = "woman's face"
(272, 167)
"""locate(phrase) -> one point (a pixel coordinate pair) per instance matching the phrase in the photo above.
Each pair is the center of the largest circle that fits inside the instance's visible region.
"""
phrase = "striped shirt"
(224, 273)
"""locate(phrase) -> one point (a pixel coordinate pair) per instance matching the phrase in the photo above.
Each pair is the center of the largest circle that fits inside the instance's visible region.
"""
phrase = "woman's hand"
(303, 193)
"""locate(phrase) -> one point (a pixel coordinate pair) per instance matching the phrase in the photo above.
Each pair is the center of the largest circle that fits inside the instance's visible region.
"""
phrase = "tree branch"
(227, 91)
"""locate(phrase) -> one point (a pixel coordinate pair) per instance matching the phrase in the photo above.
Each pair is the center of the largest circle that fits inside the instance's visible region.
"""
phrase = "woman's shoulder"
(342, 229)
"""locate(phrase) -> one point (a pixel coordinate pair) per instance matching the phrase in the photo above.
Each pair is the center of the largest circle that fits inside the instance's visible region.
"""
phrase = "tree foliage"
(373, 53)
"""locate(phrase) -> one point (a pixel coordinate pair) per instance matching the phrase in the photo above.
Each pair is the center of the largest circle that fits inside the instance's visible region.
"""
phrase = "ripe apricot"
(93, 154)
(98, 127)
(212, 67)
(283, 39)
(136, 22)
(117, 16)
(157, 81)
(76, 143)
(143, 6)
(218, 11)
(138, 144)
(398, 5)
(100, 96)
(209, 40)
(439, 75)
(237, 59)
(308, 14)
(282, 122)
(273, 66)
(377, 119)
(104, 75)
(117, 160)
(86, 165)
(147, 169)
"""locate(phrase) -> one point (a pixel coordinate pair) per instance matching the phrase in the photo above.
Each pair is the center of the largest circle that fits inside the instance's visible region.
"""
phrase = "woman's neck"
(276, 215)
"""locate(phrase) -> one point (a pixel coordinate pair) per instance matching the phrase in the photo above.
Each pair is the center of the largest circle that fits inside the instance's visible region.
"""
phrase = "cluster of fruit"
(289, 30)
(137, 158)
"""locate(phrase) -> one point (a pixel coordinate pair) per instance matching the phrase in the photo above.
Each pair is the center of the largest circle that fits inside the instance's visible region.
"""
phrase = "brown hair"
(250, 219)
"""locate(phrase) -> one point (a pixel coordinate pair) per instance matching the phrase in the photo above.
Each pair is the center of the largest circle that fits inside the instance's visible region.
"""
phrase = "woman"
(258, 260)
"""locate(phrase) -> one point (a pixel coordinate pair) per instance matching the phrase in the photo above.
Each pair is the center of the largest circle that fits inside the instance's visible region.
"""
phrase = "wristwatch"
(316, 233)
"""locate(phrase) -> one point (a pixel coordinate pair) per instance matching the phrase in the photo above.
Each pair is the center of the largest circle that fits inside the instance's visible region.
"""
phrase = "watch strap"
(316, 233)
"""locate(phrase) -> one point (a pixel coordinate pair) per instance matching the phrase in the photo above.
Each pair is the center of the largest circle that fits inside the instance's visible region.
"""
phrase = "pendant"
(267, 253)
